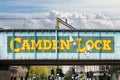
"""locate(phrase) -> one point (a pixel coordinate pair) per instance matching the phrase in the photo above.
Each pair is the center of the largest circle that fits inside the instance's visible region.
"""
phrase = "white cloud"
(83, 20)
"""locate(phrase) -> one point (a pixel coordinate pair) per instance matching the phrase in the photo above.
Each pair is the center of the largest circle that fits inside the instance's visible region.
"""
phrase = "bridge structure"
(27, 47)
(59, 47)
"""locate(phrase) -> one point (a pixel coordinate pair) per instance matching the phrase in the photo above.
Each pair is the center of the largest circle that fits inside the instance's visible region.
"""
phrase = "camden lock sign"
(64, 44)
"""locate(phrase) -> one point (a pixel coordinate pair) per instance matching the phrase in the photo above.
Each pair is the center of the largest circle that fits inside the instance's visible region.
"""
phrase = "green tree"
(115, 68)
(69, 74)
(40, 71)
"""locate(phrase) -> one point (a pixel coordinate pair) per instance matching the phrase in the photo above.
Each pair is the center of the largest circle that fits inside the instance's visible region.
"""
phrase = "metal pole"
(13, 35)
(35, 51)
(100, 46)
(57, 75)
(57, 24)
(61, 78)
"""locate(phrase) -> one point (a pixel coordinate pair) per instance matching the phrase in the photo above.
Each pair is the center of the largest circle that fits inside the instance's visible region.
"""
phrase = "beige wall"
(4, 75)
(91, 68)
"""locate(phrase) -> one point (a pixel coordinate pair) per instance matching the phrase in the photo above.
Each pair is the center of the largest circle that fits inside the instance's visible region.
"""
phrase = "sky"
(82, 14)
(29, 7)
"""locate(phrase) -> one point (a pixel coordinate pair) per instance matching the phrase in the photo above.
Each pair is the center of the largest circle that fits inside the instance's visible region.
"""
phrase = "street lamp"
(73, 73)
(90, 75)
(34, 76)
(57, 72)
(52, 74)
